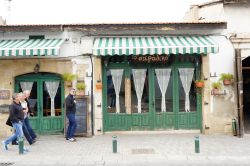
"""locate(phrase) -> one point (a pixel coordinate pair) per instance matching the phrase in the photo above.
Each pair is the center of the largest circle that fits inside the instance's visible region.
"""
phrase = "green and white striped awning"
(154, 45)
(30, 47)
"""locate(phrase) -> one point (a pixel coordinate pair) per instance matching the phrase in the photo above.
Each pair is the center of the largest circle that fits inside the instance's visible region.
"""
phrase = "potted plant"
(98, 85)
(216, 88)
(68, 78)
(80, 88)
(227, 78)
(199, 83)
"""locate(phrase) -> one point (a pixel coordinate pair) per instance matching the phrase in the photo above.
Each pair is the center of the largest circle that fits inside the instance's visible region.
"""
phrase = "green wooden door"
(187, 119)
(164, 119)
(127, 118)
(176, 117)
(151, 117)
(112, 120)
(40, 102)
(143, 120)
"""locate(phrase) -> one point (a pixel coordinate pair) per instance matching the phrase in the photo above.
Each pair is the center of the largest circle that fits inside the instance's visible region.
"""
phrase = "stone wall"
(9, 69)
(5, 130)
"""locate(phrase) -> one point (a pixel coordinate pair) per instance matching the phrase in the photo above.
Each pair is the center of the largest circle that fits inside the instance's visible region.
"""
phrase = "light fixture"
(36, 68)
(106, 61)
(197, 61)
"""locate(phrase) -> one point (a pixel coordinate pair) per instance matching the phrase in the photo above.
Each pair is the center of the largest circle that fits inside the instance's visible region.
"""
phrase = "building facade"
(236, 13)
(143, 74)
(36, 60)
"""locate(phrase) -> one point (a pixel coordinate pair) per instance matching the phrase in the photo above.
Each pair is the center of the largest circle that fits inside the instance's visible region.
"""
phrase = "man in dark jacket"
(16, 118)
(70, 113)
(27, 129)
(26, 120)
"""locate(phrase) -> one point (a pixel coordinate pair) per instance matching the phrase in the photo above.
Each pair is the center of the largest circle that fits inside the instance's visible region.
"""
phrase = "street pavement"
(133, 149)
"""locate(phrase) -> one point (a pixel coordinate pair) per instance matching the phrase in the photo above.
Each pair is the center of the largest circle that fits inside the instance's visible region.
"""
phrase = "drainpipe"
(92, 96)
(239, 92)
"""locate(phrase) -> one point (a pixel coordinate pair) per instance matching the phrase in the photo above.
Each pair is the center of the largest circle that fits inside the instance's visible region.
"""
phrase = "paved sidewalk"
(133, 149)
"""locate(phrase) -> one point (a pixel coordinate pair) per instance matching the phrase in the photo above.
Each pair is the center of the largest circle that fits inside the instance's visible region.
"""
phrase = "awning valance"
(30, 47)
(154, 45)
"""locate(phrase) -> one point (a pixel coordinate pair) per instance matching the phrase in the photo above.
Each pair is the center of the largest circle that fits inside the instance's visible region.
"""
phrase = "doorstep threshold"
(156, 132)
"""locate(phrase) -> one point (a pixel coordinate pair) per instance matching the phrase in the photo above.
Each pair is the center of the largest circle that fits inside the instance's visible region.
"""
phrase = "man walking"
(16, 118)
(27, 130)
(26, 120)
(70, 113)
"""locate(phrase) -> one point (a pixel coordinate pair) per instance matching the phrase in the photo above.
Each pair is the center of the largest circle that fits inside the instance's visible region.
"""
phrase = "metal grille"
(143, 151)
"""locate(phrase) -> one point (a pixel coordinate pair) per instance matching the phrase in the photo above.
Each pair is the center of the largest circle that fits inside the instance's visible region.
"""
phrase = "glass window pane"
(192, 96)
(144, 99)
(111, 95)
(168, 95)
(47, 101)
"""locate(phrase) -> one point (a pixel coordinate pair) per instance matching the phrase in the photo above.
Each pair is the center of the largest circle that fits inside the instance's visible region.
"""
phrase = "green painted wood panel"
(142, 120)
(34, 122)
(117, 122)
(52, 125)
(164, 120)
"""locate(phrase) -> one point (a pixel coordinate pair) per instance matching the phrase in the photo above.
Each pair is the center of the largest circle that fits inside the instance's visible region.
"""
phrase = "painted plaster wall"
(98, 97)
(211, 13)
(236, 16)
(219, 110)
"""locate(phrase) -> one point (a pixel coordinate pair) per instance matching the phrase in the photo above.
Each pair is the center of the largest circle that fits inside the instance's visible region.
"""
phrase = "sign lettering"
(150, 59)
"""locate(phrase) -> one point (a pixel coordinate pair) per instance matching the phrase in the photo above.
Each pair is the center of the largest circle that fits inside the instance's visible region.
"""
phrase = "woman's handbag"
(8, 122)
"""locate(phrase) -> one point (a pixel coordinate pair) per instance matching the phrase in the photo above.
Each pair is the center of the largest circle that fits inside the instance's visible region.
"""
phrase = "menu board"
(4, 94)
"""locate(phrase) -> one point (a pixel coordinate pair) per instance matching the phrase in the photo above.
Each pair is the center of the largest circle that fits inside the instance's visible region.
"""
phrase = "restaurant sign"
(149, 59)
(4, 94)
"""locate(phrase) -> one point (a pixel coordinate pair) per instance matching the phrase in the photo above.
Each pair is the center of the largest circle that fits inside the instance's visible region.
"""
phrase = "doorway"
(46, 101)
(246, 94)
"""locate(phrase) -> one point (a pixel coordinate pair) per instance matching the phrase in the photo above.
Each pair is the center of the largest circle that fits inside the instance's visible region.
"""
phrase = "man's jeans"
(29, 128)
(18, 132)
(72, 125)
(28, 132)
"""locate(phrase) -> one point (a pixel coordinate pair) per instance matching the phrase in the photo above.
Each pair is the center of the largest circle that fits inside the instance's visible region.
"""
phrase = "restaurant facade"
(148, 82)
(143, 74)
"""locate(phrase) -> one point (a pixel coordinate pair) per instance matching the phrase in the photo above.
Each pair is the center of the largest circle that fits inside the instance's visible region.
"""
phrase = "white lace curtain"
(52, 87)
(26, 86)
(139, 76)
(186, 75)
(117, 79)
(163, 76)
